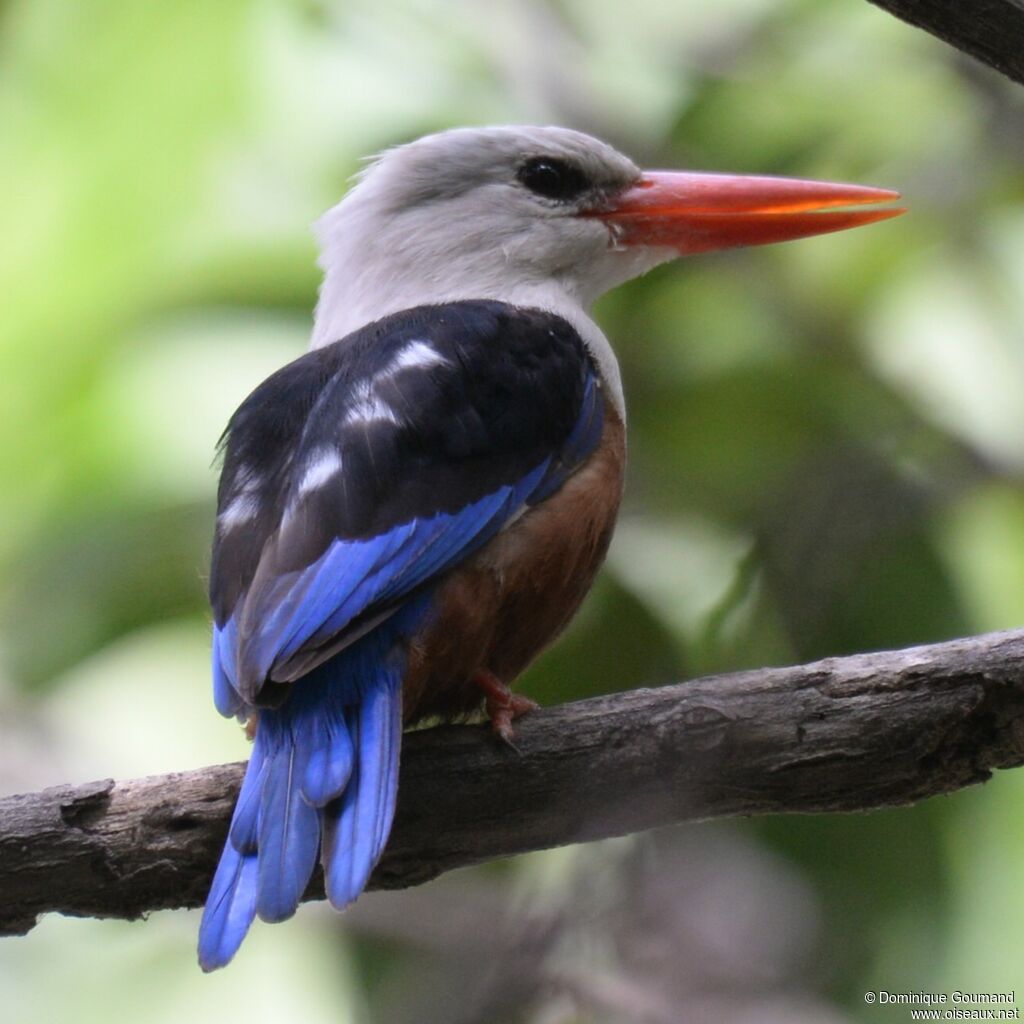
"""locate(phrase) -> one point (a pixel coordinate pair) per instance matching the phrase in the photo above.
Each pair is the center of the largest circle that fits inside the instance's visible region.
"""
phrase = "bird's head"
(546, 217)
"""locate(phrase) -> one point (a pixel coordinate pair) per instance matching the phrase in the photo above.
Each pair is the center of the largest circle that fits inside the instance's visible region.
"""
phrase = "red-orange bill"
(701, 212)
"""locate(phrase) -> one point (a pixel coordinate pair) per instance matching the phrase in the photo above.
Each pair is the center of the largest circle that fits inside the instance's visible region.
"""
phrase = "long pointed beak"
(701, 212)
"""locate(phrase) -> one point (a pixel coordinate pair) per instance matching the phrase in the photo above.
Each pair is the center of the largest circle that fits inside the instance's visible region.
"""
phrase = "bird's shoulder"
(421, 367)
(417, 414)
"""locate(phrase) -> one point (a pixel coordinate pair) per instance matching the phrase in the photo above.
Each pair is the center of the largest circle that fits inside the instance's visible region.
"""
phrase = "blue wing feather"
(225, 695)
(354, 576)
(581, 441)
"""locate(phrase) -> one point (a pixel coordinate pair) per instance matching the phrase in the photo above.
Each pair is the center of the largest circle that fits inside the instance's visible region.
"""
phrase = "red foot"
(502, 705)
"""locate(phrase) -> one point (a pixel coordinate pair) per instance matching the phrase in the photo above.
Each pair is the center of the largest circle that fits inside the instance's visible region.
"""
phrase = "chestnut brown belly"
(511, 599)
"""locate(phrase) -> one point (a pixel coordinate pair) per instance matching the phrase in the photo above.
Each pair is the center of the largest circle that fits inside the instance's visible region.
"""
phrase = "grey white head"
(478, 213)
(543, 217)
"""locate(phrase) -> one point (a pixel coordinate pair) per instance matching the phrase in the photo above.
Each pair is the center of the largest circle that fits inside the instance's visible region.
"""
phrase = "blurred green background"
(827, 449)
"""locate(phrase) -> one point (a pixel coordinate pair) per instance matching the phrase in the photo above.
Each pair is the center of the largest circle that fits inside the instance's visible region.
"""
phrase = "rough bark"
(845, 734)
(992, 31)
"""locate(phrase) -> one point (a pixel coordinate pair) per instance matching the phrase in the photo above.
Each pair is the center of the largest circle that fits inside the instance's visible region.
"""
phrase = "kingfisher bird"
(408, 513)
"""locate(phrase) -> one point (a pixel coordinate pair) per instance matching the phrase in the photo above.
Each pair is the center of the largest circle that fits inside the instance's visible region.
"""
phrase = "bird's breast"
(499, 609)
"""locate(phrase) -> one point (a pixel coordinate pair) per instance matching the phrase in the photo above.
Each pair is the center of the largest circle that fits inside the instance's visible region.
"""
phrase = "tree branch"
(990, 30)
(845, 734)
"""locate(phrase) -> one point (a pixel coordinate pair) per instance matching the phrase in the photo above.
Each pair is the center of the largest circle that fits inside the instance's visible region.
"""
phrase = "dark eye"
(553, 178)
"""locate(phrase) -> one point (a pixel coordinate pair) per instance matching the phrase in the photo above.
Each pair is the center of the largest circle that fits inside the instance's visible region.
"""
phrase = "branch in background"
(845, 734)
(990, 30)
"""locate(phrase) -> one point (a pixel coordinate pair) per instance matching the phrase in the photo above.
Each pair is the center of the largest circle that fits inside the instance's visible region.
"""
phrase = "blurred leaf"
(949, 340)
(872, 872)
(849, 559)
(109, 113)
(982, 537)
(101, 576)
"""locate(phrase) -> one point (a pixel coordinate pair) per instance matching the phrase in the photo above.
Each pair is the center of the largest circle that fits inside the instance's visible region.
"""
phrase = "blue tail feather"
(323, 776)
(230, 908)
(289, 838)
(328, 764)
(391, 729)
(357, 826)
(244, 832)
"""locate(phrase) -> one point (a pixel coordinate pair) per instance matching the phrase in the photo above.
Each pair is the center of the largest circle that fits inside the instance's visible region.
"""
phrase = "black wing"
(361, 471)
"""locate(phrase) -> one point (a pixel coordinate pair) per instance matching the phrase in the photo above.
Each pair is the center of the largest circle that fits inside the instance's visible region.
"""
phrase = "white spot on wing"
(324, 464)
(369, 407)
(372, 410)
(242, 509)
(245, 505)
(415, 355)
(367, 404)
